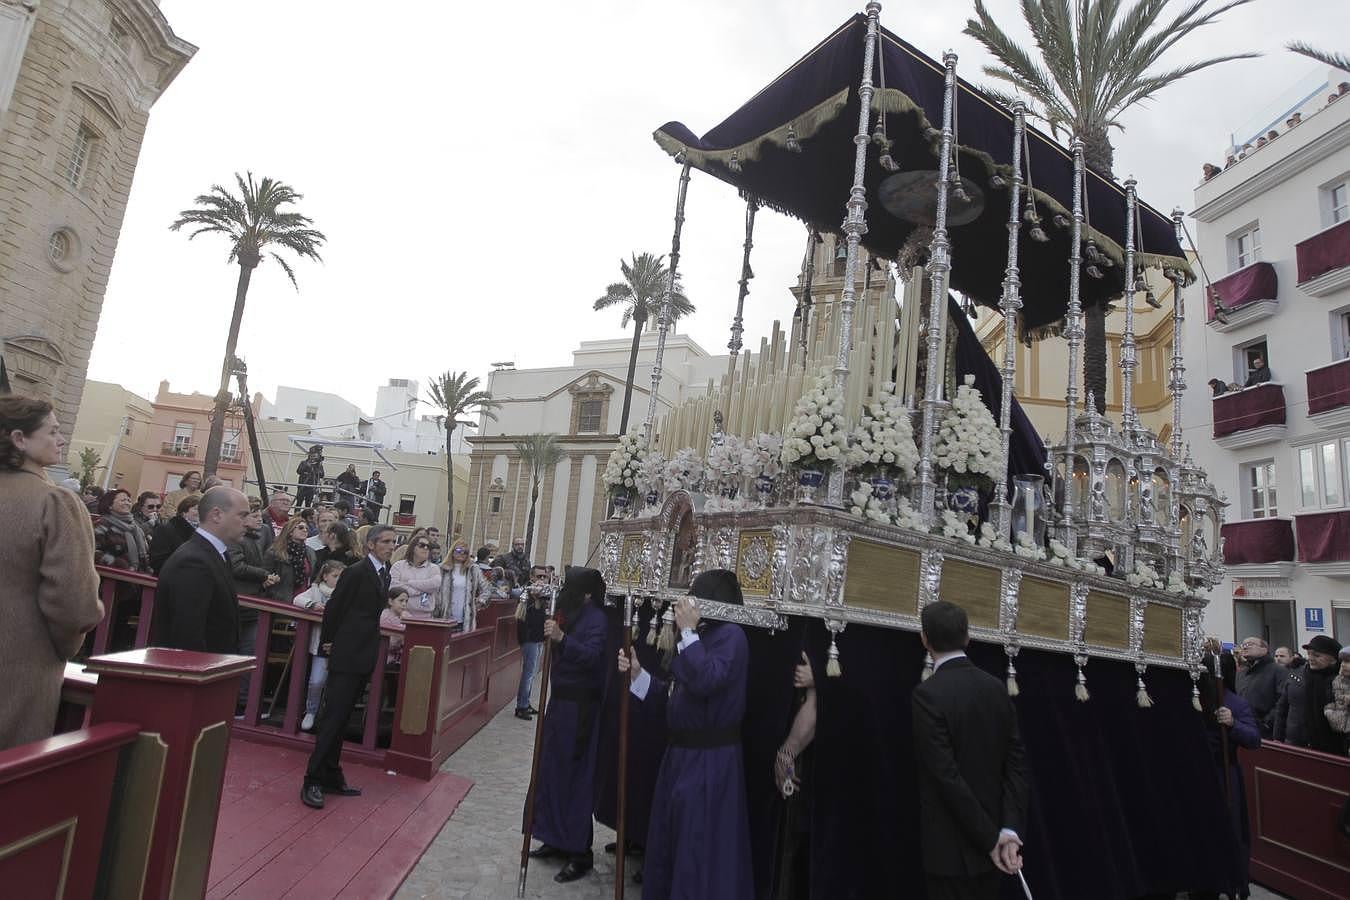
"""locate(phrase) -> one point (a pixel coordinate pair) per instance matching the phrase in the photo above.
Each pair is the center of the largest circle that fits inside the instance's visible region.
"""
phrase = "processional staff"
(538, 746)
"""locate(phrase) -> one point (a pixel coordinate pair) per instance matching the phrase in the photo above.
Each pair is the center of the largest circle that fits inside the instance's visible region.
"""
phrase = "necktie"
(384, 578)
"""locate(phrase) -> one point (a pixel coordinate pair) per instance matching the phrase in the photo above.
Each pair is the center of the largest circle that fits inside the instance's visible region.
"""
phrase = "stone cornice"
(163, 46)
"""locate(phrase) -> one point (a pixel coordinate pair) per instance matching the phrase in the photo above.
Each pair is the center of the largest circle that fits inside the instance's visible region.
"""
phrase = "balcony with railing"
(1251, 416)
(178, 448)
(1329, 394)
(1258, 542)
(1324, 541)
(1324, 261)
(1248, 295)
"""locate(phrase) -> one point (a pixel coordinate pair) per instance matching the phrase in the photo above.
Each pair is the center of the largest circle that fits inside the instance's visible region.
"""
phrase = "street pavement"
(477, 854)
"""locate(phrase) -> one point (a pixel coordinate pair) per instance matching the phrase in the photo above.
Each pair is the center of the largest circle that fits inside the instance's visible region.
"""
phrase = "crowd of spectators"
(1298, 700)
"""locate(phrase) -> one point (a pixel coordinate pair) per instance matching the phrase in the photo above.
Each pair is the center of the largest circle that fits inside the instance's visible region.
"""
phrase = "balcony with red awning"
(1248, 294)
(1250, 416)
(1258, 541)
(1323, 537)
(1329, 388)
(1321, 259)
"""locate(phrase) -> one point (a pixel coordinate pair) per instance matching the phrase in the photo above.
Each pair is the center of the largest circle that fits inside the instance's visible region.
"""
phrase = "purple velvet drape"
(1323, 252)
(1323, 537)
(1250, 408)
(1258, 541)
(1255, 282)
(1329, 387)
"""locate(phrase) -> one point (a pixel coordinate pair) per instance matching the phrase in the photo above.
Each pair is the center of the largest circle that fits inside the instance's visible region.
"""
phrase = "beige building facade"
(116, 424)
(77, 81)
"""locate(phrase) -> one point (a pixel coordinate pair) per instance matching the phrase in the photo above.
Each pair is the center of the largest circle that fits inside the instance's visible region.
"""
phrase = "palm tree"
(541, 452)
(458, 398)
(1326, 57)
(254, 221)
(645, 280)
(1096, 60)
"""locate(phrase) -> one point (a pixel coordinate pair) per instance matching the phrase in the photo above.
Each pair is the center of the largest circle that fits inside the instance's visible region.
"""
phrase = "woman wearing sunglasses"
(417, 574)
(461, 587)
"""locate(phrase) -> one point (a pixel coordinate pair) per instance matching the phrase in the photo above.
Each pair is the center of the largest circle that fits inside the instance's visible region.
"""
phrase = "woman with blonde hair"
(462, 587)
(290, 559)
(48, 586)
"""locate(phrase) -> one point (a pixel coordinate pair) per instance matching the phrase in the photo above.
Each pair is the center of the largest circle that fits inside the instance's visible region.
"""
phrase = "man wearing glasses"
(146, 512)
(1258, 683)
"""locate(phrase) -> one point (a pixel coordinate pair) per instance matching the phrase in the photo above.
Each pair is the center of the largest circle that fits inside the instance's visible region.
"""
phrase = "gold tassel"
(665, 643)
(1080, 690)
(1141, 693)
(927, 667)
(832, 667)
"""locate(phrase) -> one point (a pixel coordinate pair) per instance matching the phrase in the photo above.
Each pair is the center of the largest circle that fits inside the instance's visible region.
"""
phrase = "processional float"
(944, 190)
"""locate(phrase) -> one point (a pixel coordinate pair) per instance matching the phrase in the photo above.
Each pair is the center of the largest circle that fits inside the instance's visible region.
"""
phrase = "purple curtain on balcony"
(1323, 537)
(1250, 408)
(1256, 282)
(1323, 252)
(1329, 387)
(1258, 541)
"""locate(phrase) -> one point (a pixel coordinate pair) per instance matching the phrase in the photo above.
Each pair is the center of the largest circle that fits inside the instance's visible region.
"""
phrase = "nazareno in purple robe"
(698, 842)
(565, 795)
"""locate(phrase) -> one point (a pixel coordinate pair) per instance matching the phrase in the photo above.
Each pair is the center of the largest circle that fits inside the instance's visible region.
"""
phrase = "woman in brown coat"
(48, 586)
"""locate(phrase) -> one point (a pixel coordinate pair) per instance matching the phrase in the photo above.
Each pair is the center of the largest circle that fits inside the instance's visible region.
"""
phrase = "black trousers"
(973, 887)
(304, 496)
(340, 696)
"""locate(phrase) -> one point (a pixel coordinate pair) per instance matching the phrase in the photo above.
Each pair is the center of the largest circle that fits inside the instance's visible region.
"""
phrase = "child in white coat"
(314, 600)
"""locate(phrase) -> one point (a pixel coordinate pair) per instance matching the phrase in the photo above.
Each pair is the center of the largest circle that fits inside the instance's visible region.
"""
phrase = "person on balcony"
(48, 585)
(291, 561)
(1259, 374)
(348, 484)
(118, 540)
(350, 638)
(310, 473)
(196, 607)
(191, 483)
(374, 489)
(170, 534)
(419, 576)
(1217, 387)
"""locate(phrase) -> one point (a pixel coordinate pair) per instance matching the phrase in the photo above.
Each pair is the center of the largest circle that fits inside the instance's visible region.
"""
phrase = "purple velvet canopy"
(817, 100)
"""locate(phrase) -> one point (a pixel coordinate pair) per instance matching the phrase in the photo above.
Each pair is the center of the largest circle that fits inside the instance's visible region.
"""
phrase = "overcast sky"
(480, 174)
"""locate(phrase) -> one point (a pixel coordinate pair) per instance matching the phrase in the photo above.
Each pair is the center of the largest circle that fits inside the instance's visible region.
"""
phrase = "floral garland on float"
(621, 471)
(727, 467)
(815, 441)
(883, 454)
(969, 453)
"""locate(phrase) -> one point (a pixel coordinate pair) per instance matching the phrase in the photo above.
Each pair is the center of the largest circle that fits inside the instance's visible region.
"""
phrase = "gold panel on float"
(754, 561)
(1043, 608)
(632, 552)
(1162, 630)
(974, 588)
(882, 578)
(1107, 621)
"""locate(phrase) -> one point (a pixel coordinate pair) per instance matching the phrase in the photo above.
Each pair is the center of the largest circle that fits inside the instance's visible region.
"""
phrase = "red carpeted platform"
(269, 844)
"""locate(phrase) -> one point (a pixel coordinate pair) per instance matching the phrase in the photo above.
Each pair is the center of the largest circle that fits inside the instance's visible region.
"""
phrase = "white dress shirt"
(213, 541)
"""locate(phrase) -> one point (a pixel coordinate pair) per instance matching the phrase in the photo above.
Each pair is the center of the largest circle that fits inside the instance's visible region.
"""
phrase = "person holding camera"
(530, 615)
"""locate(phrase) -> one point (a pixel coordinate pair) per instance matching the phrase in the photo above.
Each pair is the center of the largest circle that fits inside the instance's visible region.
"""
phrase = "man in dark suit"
(971, 772)
(374, 489)
(350, 638)
(196, 607)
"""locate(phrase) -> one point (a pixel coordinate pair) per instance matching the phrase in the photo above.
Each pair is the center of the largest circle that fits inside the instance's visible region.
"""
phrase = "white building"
(319, 412)
(1273, 233)
(397, 424)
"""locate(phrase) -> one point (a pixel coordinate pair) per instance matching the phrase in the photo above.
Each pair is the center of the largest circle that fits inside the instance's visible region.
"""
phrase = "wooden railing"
(458, 680)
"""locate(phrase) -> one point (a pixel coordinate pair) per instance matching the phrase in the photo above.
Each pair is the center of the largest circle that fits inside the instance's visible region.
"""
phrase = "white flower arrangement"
(989, 537)
(866, 506)
(1027, 548)
(969, 444)
(906, 516)
(883, 442)
(1143, 575)
(1059, 556)
(727, 462)
(953, 525)
(816, 436)
(621, 471)
(651, 473)
(763, 455)
(684, 470)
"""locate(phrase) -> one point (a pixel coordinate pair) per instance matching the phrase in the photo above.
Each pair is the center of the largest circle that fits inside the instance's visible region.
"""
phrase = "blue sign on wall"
(1313, 619)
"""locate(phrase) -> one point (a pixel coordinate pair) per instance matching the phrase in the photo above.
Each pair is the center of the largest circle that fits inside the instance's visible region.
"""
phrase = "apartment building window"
(495, 504)
(311, 413)
(1245, 357)
(1340, 333)
(406, 504)
(1336, 202)
(81, 155)
(182, 439)
(588, 416)
(1244, 247)
(1258, 481)
(229, 446)
(1323, 474)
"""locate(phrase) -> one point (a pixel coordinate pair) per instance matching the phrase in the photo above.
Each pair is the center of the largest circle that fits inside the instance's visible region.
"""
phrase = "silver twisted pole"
(663, 316)
(1074, 331)
(855, 226)
(1177, 382)
(737, 328)
(939, 266)
(1010, 304)
(1128, 418)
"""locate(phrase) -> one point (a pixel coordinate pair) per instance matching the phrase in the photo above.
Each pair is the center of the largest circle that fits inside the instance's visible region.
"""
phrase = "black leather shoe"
(574, 869)
(544, 851)
(533, 711)
(524, 714)
(312, 796)
(345, 790)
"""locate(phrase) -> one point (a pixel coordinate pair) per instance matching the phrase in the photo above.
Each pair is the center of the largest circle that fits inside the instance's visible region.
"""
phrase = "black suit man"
(196, 607)
(971, 772)
(350, 637)
(374, 489)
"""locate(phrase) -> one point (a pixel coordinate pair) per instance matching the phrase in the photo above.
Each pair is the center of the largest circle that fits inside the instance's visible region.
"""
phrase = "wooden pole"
(534, 764)
(621, 838)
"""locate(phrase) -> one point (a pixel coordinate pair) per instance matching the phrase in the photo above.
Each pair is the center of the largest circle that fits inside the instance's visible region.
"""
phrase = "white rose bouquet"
(621, 472)
(763, 455)
(882, 444)
(953, 525)
(651, 473)
(684, 470)
(866, 506)
(816, 437)
(1059, 556)
(727, 462)
(969, 445)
